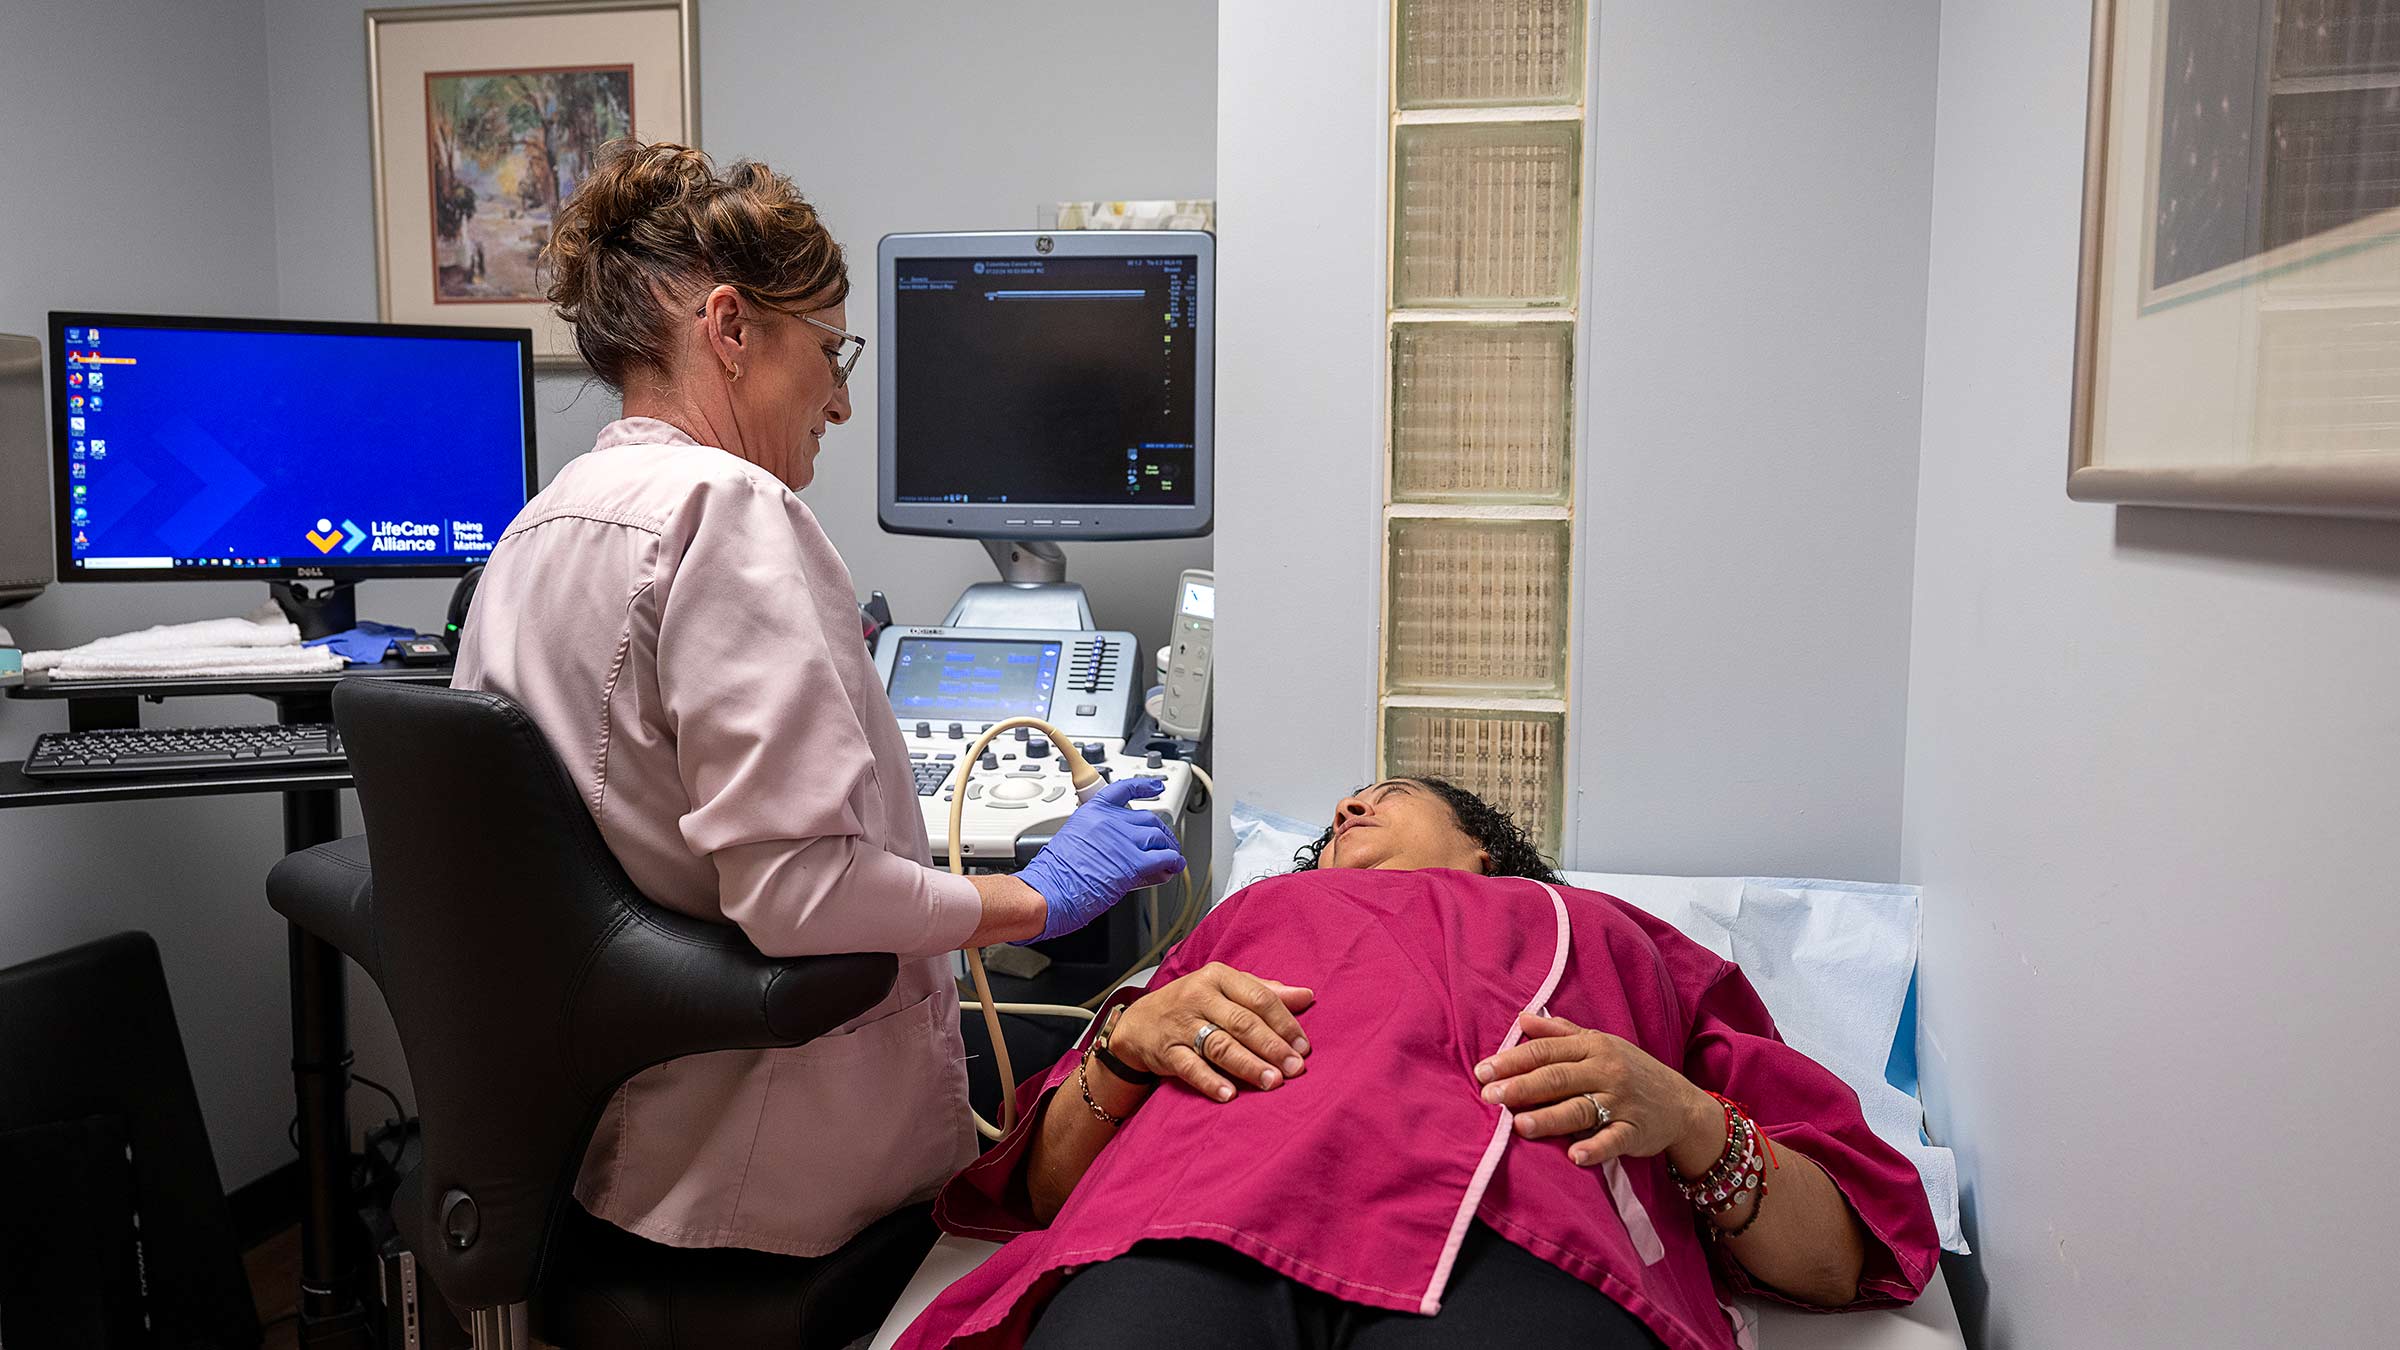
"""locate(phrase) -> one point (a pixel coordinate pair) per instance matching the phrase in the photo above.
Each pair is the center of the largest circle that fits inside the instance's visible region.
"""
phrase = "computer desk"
(312, 815)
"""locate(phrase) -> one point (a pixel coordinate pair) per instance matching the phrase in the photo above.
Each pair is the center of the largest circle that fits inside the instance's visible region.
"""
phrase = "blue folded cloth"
(364, 645)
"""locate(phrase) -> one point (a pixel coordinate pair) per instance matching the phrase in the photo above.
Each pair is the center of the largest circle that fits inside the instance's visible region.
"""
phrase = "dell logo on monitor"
(308, 571)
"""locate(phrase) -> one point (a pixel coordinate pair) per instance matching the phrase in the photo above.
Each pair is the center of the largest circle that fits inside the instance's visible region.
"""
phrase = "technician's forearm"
(1012, 910)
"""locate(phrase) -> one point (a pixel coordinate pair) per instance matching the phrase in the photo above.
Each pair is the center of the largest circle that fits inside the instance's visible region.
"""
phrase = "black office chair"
(528, 979)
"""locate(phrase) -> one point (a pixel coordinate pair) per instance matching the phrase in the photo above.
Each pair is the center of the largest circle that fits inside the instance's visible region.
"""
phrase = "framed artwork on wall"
(2238, 321)
(485, 118)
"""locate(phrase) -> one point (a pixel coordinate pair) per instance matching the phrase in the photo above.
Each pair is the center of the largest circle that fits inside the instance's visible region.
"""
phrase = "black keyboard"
(184, 751)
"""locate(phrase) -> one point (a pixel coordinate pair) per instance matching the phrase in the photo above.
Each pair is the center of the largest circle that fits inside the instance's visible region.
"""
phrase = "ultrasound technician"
(673, 618)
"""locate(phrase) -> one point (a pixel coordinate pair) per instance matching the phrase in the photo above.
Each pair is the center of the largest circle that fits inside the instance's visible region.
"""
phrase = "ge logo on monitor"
(1044, 244)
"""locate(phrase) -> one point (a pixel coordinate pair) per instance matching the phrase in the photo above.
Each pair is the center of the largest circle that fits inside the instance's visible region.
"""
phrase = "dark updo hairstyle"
(1493, 830)
(654, 225)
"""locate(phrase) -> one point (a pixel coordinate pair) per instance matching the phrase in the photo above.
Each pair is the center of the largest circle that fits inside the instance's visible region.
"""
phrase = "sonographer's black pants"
(1193, 1295)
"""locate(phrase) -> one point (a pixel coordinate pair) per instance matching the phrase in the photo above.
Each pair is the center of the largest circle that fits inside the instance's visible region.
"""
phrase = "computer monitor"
(274, 450)
(1046, 386)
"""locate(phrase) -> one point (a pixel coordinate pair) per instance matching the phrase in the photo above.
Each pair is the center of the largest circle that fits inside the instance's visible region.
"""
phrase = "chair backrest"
(527, 977)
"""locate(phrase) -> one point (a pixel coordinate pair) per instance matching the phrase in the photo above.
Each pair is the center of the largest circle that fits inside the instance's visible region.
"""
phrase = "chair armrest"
(329, 893)
(662, 985)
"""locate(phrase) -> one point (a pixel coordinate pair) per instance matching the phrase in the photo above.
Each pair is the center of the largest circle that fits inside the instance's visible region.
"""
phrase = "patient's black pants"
(1193, 1295)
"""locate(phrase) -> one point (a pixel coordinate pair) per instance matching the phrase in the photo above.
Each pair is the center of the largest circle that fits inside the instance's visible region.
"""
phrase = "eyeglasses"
(842, 356)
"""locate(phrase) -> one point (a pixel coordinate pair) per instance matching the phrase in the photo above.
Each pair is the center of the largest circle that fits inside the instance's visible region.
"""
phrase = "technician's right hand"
(1106, 849)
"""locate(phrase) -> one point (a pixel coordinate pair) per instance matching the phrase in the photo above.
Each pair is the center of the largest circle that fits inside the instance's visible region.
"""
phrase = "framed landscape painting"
(2238, 329)
(486, 117)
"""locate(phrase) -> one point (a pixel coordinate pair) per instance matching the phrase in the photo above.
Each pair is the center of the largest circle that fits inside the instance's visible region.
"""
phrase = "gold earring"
(732, 373)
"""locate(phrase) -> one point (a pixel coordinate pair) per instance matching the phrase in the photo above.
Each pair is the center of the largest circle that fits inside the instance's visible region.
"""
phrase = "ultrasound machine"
(1037, 388)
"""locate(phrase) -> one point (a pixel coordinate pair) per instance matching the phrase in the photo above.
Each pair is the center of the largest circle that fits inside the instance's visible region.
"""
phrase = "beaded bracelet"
(1740, 1171)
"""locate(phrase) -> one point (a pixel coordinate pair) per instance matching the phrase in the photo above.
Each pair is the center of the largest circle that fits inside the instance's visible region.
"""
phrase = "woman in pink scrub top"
(687, 638)
(1472, 1106)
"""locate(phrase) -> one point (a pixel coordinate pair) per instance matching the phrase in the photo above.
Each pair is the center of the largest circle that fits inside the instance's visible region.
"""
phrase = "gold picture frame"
(2237, 334)
(484, 117)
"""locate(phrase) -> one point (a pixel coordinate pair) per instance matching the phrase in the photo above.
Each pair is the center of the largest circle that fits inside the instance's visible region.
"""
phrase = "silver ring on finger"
(1200, 1037)
(1601, 1115)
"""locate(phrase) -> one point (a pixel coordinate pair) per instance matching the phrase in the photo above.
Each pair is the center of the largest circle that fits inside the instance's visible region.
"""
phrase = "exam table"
(1847, 1022)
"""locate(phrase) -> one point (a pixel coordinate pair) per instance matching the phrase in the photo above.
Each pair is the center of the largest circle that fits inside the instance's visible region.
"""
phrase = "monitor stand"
(330, 611)
(1033, 591)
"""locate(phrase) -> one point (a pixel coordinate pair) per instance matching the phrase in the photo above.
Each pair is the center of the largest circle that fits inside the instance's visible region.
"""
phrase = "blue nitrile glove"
(1105, 849)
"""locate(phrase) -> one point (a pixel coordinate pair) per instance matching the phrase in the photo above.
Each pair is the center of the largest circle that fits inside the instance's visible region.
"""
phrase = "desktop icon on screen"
(75, 402)
(99, 449)
(75, 449)
(92, 336)
(75, 470)
(74, 335)
(95, 403)
(75, 424)
(94, 380)
(75, 377)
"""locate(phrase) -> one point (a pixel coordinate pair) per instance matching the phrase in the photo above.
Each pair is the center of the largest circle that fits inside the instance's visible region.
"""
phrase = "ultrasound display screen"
(967, 679)
(1066, 381)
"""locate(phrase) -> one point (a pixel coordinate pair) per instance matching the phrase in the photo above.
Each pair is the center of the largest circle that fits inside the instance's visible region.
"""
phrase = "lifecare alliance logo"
(325, 537)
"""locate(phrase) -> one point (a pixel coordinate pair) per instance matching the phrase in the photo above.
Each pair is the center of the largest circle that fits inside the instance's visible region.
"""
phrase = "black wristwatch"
(1132, 1076)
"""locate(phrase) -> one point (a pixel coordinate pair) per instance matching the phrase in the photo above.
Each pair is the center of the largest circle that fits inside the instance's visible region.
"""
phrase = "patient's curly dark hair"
(1493, 830)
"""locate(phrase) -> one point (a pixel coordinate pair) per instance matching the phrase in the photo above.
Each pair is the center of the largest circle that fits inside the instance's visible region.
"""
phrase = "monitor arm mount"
(1033, 591)
(330, 611)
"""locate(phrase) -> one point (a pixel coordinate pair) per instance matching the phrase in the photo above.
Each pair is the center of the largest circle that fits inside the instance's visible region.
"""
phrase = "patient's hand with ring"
(1607, 1092)
(1214, 1027)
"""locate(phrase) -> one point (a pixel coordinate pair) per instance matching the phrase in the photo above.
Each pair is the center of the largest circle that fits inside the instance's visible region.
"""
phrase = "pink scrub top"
(686, 637)
(1359, 1177)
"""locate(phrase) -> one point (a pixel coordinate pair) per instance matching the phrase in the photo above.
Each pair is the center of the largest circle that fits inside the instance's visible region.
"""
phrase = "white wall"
(1754, 344)
(1758, 190)
(1300, 333)
(139, 180)
(2150, 797)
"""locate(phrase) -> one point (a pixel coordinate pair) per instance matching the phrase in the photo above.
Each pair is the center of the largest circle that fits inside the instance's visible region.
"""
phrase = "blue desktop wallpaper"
(298, 449)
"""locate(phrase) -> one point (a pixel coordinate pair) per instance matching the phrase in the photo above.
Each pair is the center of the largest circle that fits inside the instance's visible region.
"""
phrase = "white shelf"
(1475, 511)
(1547, 314)
(1468, 701)
(1545, 112)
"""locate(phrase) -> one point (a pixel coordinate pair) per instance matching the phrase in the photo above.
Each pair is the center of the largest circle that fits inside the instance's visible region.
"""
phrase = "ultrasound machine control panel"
(947, 685)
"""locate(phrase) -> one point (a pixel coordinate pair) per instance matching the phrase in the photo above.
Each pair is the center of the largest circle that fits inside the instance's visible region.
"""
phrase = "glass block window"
(1488, 115)
(1477, 605)
(1486, 215)
(1514, 761)
(1487, 53)
(1482, 412)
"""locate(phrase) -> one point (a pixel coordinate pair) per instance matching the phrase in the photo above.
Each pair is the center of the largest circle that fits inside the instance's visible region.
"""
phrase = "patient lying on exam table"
(1420, 1094)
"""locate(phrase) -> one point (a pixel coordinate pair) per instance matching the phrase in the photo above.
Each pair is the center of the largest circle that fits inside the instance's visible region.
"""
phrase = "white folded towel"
(262, 642)
(196, 662)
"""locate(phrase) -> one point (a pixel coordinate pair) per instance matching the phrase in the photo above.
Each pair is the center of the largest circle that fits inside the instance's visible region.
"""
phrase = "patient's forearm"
(1069, 1136)
(1806, 1242)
